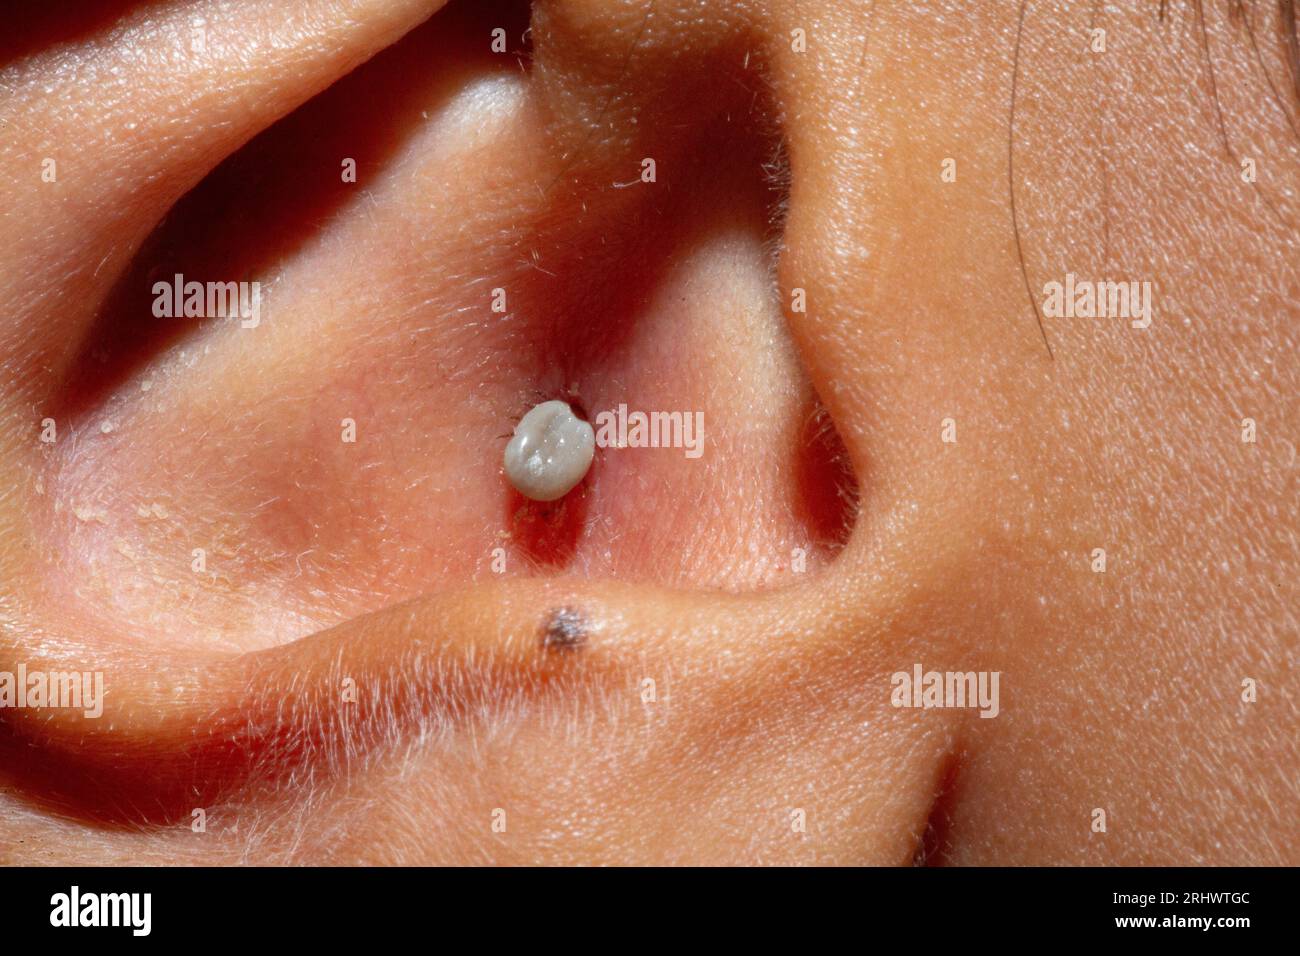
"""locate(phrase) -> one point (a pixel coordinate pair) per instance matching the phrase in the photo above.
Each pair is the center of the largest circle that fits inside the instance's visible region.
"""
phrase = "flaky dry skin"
(651, 678)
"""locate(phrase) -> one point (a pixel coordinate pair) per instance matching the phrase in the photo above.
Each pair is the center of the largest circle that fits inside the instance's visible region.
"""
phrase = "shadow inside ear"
(828, 492)
(935, 840)
(33, 27)
(270, 198)
(548, 532)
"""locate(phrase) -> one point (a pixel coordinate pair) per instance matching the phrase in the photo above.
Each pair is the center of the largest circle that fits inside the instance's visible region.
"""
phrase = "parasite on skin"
(550, 453)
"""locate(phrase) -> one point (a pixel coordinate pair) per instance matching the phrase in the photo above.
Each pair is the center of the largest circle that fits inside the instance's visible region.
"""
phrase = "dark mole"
(565, 629)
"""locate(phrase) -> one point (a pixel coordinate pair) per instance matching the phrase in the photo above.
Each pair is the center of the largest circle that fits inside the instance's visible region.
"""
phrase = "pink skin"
(371, 562)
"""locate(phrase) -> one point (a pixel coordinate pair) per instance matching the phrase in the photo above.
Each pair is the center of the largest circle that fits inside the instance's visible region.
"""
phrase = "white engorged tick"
(550, 452)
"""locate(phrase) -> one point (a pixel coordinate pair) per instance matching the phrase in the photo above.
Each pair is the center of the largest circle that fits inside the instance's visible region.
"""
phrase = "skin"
(350, 681)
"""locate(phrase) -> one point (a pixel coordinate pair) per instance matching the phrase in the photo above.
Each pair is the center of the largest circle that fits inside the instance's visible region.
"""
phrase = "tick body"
(550, 453)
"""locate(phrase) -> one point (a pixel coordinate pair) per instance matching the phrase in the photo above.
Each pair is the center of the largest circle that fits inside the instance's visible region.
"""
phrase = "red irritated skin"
(286, 541)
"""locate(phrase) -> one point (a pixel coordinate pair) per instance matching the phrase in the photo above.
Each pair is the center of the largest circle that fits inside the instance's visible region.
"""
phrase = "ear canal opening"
(819, 491)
